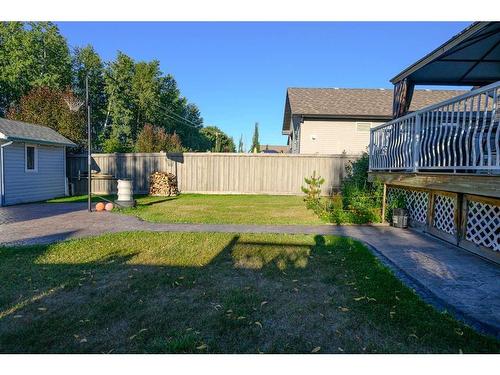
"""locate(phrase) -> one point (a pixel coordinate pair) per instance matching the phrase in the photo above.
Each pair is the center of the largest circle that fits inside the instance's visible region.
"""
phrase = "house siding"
(333, 137)
(47, 182)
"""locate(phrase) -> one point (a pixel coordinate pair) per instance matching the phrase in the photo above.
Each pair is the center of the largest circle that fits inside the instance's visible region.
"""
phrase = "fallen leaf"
(459, 332)
(17, 316)
(259, 324)
(263, 303)
(241, 317)
(140, 331)
(344, 309)
(359, 298)
(340, 349)
(83, 340)
(202, 346)
(316, 349)
(42, 309)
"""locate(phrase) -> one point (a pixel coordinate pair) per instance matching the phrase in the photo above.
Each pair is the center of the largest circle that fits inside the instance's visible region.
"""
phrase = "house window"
(31, 158)
(363, 127)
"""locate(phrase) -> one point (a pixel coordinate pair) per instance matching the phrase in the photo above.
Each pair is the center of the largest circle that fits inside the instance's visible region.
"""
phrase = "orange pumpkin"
(99, 206)
(109, 206)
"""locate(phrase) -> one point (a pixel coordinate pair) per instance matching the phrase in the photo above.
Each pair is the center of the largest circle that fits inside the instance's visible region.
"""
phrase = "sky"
(237, 73)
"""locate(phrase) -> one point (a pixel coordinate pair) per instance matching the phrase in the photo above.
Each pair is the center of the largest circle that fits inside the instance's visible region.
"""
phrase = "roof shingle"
(11, 130)
(375, 103)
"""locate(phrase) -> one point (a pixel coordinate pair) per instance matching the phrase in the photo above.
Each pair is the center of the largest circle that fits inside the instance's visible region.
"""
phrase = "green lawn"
(207, 292)
(218, 209)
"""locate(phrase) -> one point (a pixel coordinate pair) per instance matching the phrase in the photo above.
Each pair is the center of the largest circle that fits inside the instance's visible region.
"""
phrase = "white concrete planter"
(125, 194)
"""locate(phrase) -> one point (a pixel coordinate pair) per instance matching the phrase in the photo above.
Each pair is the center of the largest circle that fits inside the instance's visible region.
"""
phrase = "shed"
(32, 162)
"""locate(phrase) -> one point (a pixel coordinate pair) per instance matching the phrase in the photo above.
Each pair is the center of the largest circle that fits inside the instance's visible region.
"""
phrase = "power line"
(169, 111)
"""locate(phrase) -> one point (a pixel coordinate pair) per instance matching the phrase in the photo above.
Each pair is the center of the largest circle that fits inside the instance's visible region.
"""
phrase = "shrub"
(398, 200)
(360, 200)
(155, 139)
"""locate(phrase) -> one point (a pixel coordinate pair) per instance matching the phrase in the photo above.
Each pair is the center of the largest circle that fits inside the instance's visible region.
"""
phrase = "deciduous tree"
(32, 54)
(46, 106)
(219, 141)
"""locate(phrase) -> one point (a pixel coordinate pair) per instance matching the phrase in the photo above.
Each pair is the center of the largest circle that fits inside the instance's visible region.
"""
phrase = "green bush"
(398, 200)
(360, 201)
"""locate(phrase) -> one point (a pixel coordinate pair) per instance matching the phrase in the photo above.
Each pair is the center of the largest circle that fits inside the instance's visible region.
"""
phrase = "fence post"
(416, 142)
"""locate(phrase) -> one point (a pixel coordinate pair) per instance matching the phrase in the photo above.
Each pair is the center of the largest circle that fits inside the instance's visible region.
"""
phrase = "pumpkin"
(109, 206)
(99, 206)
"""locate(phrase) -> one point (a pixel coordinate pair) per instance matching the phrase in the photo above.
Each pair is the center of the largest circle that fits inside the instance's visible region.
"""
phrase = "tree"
(155, 139)
(255, 139)
(32, 54)
(119, 77)
(240, 145)
(218, 140)
(46, 106)
(87, 61)
(146, 90)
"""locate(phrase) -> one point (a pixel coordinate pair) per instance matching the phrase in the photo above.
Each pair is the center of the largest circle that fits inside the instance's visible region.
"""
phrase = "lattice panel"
(444, 214)
(483, 224)
(416, 202)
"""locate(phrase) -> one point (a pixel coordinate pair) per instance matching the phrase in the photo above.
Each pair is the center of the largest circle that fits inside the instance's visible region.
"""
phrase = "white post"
(416, 142)
(370, 151)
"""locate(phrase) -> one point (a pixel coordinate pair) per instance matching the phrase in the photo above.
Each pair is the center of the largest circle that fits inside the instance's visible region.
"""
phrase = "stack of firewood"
(163, 184)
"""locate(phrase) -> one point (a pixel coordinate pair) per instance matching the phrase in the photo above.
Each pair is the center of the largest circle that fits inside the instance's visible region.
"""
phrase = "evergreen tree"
(255, 139)
(240, 145)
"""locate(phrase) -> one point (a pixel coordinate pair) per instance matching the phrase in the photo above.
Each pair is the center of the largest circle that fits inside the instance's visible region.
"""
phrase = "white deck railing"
(459, 135)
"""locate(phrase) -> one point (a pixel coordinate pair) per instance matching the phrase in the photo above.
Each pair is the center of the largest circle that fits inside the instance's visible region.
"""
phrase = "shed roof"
(354, 103)
(11, 130)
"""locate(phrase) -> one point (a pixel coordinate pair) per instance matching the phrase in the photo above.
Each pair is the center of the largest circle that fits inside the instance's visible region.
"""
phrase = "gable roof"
(11, 130)
(354, 103)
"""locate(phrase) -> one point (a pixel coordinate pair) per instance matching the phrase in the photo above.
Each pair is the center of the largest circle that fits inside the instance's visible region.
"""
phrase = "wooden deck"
(477, 184)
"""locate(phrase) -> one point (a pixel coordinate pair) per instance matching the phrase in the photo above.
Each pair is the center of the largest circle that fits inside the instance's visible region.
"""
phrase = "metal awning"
(470, 58)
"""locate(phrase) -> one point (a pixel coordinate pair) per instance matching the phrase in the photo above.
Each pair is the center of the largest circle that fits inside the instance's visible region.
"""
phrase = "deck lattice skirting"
(469, 221)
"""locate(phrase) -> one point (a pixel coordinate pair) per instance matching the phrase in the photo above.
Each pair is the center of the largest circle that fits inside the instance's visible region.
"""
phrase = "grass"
(215, 293)
(218, 209)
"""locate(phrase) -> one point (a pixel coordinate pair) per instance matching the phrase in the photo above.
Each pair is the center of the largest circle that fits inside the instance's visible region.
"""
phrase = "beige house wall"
(334, 137)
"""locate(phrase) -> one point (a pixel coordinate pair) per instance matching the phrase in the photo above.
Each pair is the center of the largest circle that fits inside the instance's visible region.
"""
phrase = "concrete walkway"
(444, 275)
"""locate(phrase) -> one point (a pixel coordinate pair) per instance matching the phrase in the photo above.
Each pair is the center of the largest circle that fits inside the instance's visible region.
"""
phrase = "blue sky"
(237, 73)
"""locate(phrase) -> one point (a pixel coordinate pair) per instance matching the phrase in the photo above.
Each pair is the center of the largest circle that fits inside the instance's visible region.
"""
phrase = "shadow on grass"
(50, 298)
(157, 200)
(248, 295)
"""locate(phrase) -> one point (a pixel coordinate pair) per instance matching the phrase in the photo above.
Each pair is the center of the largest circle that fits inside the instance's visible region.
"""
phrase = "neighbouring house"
(334, 120)
(274, 149)
(445, 159)
(32, 162)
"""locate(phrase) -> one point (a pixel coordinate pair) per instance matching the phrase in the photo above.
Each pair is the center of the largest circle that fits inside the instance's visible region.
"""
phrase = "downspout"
(2, 185)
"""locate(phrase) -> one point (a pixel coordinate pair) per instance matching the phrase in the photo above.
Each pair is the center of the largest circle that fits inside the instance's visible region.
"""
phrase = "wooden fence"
(213, 173)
